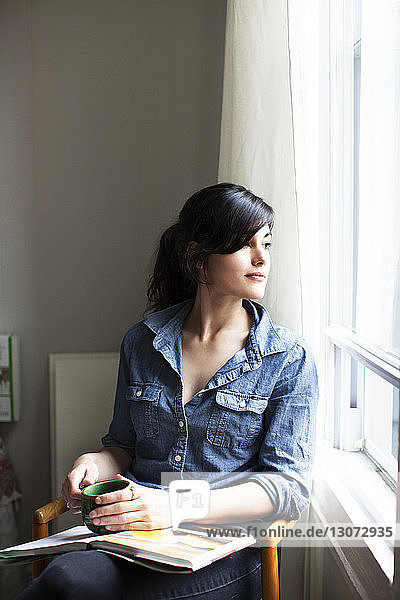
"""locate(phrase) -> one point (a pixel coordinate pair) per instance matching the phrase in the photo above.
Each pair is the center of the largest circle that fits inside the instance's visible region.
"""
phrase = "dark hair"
(221, 218)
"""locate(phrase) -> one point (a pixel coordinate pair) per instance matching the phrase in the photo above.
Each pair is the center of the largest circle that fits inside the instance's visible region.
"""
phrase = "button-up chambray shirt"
(255, 419)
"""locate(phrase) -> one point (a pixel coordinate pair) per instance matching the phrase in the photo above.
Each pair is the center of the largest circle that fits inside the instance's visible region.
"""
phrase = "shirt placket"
(177, 457)
(179, 453)
(171, 349)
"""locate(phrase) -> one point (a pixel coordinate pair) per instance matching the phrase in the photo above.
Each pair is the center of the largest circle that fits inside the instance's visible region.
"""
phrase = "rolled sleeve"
(287, 453)
(121, 432)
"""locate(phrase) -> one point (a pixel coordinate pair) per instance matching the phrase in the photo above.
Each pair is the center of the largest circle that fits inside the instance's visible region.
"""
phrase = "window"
(363, 345)
(348, 63)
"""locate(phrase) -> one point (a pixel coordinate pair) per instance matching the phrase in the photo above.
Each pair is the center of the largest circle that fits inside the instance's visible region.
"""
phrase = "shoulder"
(135, 334)
(154, 323)
(299, 371)
(273, 337)
(296, 345)
(157, 320)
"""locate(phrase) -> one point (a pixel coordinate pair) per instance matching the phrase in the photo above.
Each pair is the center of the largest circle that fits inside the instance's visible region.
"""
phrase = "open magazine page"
(78, 537)
(181, 547)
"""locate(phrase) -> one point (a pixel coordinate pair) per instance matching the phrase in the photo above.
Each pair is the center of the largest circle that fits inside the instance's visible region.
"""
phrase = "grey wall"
(109, 119)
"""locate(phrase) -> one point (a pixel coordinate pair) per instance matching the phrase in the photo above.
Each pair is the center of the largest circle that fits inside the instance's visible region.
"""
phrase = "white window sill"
(360, 497)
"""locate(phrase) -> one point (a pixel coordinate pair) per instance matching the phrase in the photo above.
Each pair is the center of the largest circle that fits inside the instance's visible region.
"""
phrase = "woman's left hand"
(118, 511)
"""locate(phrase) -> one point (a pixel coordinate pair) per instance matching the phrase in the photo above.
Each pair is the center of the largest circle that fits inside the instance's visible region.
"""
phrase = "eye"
(265, 244)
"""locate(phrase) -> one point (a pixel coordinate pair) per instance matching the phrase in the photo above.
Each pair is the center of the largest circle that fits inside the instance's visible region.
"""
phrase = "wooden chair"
(270, 556)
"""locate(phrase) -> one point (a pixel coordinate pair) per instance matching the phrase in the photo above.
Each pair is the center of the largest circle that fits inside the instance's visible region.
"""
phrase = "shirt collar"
(263, 337)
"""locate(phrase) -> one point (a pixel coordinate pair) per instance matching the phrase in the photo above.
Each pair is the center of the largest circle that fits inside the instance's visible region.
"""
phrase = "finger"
(137, 525)
(80, 477)
(90, 476)
(74, 479)
(121, 519)
(133, 492)
(134, 489)
(65, 493)
(114, 509)
(127, 494)
(72, 504)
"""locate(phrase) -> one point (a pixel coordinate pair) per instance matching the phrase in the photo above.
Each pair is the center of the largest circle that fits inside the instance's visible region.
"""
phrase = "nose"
(260, 256)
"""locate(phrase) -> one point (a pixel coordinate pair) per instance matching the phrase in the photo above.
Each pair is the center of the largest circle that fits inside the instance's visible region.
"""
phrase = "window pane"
(381, 401)
(378, 269)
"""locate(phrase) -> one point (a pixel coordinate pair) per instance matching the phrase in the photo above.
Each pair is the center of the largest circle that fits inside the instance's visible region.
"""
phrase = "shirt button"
(181, 423)
(178, 458)
(242, 403)
(139, 393)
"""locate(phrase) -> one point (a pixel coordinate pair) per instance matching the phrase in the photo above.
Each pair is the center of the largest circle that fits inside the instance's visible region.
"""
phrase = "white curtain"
(304, 51)
(269, 142)
(257, 138)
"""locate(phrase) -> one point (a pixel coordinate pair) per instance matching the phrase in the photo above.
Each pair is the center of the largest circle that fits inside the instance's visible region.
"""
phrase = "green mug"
(88, 500)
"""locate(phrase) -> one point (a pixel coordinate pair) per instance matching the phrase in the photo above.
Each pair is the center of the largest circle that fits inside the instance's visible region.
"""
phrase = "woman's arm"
(149, 509)
(245, 502)
(287, 453)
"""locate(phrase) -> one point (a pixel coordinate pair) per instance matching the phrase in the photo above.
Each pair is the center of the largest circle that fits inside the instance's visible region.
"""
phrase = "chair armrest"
(44, 515)
(278, 527)
(40, 527)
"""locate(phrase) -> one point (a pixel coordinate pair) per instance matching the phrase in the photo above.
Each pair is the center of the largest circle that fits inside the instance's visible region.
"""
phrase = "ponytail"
(171, 281)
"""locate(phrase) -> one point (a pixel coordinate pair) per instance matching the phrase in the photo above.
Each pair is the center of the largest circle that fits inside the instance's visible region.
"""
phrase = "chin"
(255, 296)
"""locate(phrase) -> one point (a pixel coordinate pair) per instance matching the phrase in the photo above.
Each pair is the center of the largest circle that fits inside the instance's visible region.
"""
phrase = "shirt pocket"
(143, 399)
(236, 420)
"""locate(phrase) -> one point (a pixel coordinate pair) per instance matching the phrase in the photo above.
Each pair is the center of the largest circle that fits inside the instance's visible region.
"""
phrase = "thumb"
(90, 476)
(122, 478)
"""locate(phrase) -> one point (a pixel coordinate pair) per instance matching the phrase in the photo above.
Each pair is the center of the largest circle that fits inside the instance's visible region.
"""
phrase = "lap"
(92, 574)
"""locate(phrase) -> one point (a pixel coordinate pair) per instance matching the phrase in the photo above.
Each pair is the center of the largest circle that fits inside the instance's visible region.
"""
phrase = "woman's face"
(242, 274)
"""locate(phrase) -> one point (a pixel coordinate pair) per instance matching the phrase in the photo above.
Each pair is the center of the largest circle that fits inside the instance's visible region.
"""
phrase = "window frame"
(338, 220)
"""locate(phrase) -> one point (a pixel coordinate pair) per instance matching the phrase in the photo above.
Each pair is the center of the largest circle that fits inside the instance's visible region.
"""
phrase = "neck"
(213, 316)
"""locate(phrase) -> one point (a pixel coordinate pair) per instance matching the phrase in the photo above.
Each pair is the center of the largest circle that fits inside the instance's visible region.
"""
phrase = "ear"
(190, 247)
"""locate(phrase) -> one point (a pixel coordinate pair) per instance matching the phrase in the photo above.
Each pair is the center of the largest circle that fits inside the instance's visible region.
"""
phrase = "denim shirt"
(255, 420)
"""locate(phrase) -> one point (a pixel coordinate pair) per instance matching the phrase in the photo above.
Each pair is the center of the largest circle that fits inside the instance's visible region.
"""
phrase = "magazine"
(186, 549)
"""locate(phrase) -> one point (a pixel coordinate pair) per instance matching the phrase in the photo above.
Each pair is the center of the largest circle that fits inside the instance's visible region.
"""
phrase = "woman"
(206, 384)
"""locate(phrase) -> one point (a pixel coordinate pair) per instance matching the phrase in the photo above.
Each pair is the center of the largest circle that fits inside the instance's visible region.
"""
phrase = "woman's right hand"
(84, 472)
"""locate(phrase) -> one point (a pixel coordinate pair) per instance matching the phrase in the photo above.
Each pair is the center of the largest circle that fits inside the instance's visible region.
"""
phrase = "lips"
(257, 275)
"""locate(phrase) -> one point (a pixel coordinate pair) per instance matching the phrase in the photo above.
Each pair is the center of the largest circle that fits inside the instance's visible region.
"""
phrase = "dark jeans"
(93, 575)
